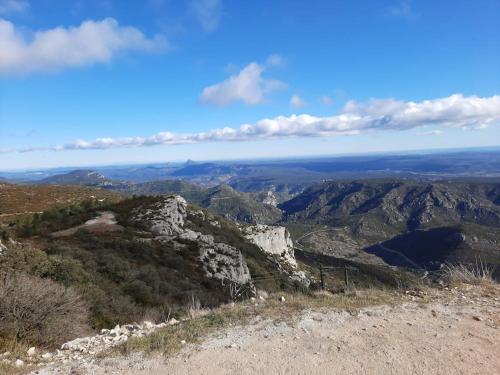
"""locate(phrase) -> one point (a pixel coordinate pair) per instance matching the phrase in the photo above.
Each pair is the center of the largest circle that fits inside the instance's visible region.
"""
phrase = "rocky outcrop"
(276, 242)
(164, 218)
(167, 220)
(272, 240)
(224, 262)
(270, 199)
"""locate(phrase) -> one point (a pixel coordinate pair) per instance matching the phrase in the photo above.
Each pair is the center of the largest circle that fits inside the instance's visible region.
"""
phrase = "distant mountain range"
(77, 177)
(477, 163)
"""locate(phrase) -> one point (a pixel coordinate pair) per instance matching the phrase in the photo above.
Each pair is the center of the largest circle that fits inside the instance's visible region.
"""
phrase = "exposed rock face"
(224, 262)
(272, 240)
(277, 243)
(167, 220)
(270, 199)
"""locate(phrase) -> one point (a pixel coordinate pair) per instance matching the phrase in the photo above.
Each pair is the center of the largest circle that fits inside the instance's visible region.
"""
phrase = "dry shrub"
(194, 308)
(475, 273)
(158, 314)
(39, 311)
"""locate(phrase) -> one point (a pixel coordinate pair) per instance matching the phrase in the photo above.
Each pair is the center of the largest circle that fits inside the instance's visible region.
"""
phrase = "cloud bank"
(456, 111)
(55, 49)
(248, 86)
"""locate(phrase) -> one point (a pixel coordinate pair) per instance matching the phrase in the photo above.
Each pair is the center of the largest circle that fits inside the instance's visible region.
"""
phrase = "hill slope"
(386, 216)
(18, 200)
(77, 177)
(223, 200)
(409, 204)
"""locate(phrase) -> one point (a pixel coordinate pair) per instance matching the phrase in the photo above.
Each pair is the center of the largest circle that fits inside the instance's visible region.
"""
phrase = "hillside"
(411, 204)
(19, 200)
(77, 177)
(156, 257)
(387, 217)
(152, 253)
(245, 207)
(223, 200)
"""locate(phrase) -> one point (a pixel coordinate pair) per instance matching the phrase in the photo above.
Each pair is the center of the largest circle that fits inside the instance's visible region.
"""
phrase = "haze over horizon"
(104, 82)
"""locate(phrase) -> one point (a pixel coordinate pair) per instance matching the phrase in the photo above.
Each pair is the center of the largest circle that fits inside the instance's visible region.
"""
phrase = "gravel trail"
(457, 335)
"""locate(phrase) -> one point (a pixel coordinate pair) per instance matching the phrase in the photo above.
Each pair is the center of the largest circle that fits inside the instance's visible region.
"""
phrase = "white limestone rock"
(272, 240)
(270, 199)
(224, 262)
(165, 218)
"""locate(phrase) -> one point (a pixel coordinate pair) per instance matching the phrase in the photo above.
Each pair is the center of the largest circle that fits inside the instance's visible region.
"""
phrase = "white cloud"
(326, 100)
(54, 49)
(208, 13)
(297, 102)
(248, 86)
(13, 6)
(456, 111)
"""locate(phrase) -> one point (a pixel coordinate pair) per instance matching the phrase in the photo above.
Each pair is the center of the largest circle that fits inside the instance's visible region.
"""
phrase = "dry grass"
(8, 369)
(16, 350)
(476, 273)
(17, 201)
(170, 340)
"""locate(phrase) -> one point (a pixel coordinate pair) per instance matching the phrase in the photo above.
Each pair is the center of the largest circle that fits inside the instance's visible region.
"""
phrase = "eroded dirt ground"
(456, 331)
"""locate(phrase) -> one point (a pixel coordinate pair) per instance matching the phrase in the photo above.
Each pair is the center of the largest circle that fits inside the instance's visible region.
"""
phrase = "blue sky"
(100, 82)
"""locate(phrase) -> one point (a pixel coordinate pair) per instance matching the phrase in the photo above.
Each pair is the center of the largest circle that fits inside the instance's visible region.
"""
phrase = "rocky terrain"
(452, 330)
(84, 349)
(167, 220)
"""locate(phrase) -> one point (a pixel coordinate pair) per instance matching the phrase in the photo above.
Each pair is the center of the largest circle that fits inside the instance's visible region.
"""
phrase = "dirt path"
(105, 222)
(459, 337)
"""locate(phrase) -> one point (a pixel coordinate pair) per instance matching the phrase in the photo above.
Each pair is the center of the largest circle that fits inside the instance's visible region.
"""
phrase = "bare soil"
(105, 222)
(456, 331)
